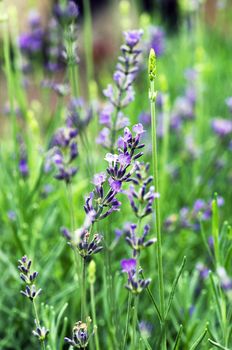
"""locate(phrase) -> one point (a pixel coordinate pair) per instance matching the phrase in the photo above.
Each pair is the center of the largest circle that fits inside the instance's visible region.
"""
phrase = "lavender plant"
(52, 129)
(120, 95)
(32, 292)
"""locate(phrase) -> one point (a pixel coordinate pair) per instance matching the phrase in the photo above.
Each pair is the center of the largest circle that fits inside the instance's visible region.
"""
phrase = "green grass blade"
(172, 293)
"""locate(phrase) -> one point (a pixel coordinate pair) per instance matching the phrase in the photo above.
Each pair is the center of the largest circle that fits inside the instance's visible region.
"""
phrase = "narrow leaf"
(217, 345)
(178, 337)
(172, 293)
(199, 340)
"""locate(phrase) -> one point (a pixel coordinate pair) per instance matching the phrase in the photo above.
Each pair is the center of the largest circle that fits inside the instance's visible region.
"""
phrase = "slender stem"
(93, 307)
(134, 324)
(71, 207)
(73, 73)
(88, 42)
(38, 323)
(127, 319)
(10, 82)
(83, 294)
(157, 209)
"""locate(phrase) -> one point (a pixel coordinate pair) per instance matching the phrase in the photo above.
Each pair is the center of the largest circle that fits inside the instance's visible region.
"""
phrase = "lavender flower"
(139, 243)
(23, 167)
(128, 265)
(31, 292)
(120, 168)
(140, 194)
(23, 163)
(222, 127)
(157, 40)
(40, 332)
(12, 215)
(66, 16)
(54, 46)
(145, 329)
(31, 43)
(66, 13)
(78, 118)
(184, 106)
(63, 152)
(24, 267)
(135, 284)
(28, 277)
(80, 335)
(122, 93)
(225, 280)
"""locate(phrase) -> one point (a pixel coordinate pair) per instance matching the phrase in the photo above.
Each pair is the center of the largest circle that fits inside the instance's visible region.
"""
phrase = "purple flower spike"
(138, 129)
(121, 93)
(199, 205)
(99, 179)
(132, 37)
(128, 265)
(157, 40)
(23, 167)
(222, 127)
(115, 185)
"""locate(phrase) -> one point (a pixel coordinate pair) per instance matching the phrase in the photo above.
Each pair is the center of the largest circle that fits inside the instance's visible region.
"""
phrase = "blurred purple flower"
(128, 265)
(157, 40)
(133, 37)
(222, 127)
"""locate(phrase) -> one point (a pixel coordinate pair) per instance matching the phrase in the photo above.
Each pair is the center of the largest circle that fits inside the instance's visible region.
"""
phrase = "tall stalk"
(88, 42)
(9, 76)
(152, 97)
(38, 323)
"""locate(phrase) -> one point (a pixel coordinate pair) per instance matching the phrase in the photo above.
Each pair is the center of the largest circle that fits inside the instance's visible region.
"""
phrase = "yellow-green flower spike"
(92, 272)
(152, 65)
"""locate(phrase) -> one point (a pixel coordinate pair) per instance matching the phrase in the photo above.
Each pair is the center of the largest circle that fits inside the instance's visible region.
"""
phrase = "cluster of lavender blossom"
(190, 218)
(31, 43)
(184, 106)
(223, 127)
(122, 93)
(31, 292)
(52, 43)
(63, 152)
(141, 197)
(63, 148)
(80, 335)
(102, 201)
(156, 40)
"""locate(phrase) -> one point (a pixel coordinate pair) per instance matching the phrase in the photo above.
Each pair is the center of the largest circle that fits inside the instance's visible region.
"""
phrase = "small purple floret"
(128, 265)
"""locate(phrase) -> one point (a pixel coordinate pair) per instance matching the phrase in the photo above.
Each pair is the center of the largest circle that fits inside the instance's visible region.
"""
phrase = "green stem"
(134, 324)
(88, 42)
(83, 294)
(157, 209)
(10, 82)
(73, 76)
(127, 319)
(71, 207)
(93, 307)
(38, 323)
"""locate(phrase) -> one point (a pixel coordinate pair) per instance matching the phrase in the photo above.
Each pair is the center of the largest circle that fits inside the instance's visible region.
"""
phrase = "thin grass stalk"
(134, 323)
(127, 320)
(38, 323)
(83, 292)
(152, 96)
(93, 308)
(88, 40)
(165, 143)
(9, 78)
